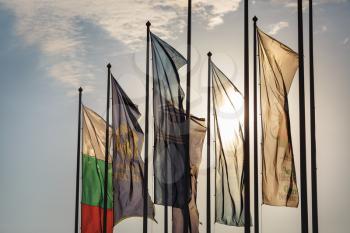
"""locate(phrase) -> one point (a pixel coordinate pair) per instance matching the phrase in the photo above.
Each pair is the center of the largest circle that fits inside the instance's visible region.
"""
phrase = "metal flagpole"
(106, 152)
(208, 149)
(246, 122)
(78, 166)
(188, 115)
(214, 141)
(145, 183)
(303, 172)
(256, 171)
(166, 209)
(313, 125)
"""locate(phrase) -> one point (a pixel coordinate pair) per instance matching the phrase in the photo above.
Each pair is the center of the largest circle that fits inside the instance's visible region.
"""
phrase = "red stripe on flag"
(92, 219)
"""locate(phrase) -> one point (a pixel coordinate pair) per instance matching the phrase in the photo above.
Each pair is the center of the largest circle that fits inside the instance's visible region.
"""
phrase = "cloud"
(293, 3)
(317, 2)
(55, 27)
(346, 41)
(320, 29)
(275, 28)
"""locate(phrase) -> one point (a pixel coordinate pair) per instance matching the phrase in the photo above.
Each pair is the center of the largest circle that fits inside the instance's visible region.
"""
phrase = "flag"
(93, 175)
(229, 154)
(278, 65)
(128, 167)
(170, 143)
(197, 132)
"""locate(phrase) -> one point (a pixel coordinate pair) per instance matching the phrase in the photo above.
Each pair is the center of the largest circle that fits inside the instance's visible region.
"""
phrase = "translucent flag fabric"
(229, 156)
(128, 166)
(197, 132)
(278, 65)
(93, 174)
(169, 126)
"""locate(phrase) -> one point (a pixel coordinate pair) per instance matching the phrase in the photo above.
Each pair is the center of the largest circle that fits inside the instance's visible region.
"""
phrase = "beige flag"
(198, 131)
(278, 65)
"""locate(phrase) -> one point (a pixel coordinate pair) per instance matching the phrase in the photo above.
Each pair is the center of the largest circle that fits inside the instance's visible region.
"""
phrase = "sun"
(230, 115)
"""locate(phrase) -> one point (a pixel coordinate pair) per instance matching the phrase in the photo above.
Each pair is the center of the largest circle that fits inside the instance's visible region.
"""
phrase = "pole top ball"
(148, 23)
(109, 65)
(80, 89)
(255, 18)
(209, 54)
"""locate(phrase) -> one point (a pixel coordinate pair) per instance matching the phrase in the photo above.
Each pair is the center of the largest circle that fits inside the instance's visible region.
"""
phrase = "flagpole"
(303, 172)
(313, 125)
(106, 152)
(145, 183)
(256, 171)
(166, 213)
(78, 166)
(188, 114)
(208, 149)
(246, 122)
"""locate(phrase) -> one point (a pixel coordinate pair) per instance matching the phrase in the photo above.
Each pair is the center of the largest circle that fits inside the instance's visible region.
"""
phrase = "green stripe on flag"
(93, 182)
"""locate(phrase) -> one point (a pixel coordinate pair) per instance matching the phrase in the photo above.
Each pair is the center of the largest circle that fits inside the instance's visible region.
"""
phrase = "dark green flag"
(170, 145)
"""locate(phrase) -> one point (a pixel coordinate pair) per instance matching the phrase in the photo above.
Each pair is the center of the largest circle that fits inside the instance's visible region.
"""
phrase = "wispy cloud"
(324, 28)
(317, 2)
(346, 42)
(321, 29)
(293, 3)
(56, 27)
(275, 28)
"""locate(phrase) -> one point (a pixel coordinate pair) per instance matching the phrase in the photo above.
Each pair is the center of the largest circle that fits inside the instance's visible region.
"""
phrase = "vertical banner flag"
(278, 65)
(229, 156)
(169, 126)
(128, 166)
(93, 175)
(197, 132)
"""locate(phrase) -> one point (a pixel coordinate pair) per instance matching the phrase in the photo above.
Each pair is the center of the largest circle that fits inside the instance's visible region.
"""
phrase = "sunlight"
(230, 115)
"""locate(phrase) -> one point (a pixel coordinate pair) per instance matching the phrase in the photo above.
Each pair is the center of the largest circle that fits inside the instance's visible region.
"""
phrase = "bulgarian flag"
(94, 129)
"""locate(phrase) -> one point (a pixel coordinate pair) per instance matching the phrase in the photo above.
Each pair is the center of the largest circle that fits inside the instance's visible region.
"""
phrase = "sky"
(48, 49)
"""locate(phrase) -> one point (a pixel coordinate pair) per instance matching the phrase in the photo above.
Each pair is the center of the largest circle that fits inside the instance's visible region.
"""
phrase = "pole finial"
(109, 65)
(209, 54)
(148, 24)
(80, 89)
(255, 18)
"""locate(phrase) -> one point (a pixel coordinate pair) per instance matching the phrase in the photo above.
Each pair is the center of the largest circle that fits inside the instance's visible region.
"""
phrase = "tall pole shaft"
(166, 212)
(313, 125)
(188, 114)
(106, 152)
(256, 160)
(78, 167)
(303, 171)
(145, 183)
(208, 147)
(246, 121)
